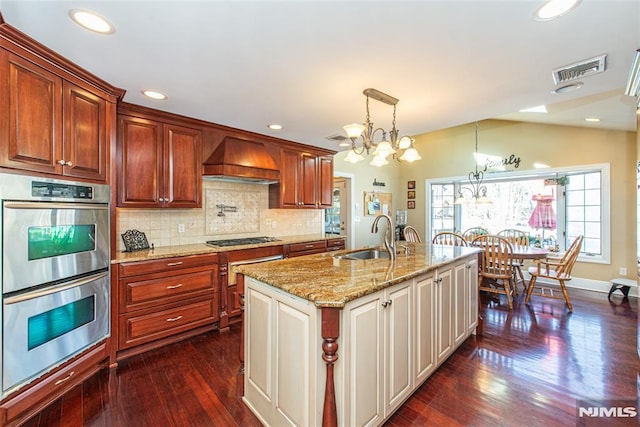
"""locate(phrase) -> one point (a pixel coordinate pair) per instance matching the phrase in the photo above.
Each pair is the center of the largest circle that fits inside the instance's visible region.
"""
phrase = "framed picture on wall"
(411, 204)
(411, 185)
(411, 194)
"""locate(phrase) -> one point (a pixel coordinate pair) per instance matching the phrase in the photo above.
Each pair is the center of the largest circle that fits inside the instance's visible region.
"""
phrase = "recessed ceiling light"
(92, 21)
(568, 88)
(154, 94)
(592, 119)
(552, 9)
(275, 126)
(537, 109)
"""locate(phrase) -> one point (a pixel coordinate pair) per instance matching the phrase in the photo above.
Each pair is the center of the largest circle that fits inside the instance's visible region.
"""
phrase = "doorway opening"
(337, 219)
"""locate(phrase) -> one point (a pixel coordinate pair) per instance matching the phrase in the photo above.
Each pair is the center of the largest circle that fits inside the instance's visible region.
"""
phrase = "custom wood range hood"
(236, 159)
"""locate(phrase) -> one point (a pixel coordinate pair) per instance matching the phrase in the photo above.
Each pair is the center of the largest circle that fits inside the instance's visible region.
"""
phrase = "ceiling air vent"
(580, 69)
(337, 138)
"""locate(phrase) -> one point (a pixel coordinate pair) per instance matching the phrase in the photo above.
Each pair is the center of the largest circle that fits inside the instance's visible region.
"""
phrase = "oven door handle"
(51, 290)
(47, 205)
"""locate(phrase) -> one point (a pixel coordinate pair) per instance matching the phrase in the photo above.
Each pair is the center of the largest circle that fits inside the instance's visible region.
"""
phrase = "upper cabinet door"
(140, 164)
(289, 177)
(182, 167)
(159, 164)
(30, 116)
(325, 181)
(85, 133)
(307, 186)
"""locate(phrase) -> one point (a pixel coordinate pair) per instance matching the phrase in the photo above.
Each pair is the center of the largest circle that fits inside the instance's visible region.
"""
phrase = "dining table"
(530, 252)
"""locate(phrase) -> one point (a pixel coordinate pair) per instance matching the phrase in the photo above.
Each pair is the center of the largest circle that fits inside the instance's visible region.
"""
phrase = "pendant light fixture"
(400, 149)
(476, 178)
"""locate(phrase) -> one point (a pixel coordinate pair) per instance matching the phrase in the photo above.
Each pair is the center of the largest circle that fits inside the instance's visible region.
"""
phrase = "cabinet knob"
(69, 163)
(62, 162)
(161, 199)
(386, 303)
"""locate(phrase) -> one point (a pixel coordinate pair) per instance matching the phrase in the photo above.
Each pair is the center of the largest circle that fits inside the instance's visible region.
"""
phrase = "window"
(553, 206)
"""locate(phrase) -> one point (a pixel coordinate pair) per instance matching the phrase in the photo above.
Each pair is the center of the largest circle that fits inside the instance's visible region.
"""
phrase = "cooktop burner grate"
(242, 241)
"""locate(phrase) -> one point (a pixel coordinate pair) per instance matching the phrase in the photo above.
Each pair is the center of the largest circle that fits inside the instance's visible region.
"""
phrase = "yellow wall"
(363, 175)
(448, 153)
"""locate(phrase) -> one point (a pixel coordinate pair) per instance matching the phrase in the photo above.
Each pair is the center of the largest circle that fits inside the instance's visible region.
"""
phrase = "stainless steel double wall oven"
(55, 273)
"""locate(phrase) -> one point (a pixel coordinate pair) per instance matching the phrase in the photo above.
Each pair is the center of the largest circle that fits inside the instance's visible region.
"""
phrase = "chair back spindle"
(449, 238)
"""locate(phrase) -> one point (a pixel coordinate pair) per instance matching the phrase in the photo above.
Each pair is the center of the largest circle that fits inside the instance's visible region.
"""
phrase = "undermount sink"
(364, 254)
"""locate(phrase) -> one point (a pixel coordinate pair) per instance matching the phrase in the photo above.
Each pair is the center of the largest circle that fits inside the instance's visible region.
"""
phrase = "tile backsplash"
(246, 214)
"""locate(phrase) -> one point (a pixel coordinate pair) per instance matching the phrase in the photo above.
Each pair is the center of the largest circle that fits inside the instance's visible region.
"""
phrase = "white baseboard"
(590, 285)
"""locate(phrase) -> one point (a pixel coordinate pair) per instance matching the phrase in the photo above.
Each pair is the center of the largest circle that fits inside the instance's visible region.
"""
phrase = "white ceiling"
(305, 63)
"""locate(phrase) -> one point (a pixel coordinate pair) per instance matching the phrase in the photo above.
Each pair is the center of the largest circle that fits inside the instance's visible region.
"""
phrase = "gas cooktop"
(242, 241)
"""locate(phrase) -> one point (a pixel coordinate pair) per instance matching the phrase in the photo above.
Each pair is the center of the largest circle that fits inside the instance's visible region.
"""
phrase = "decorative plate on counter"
(134, 240)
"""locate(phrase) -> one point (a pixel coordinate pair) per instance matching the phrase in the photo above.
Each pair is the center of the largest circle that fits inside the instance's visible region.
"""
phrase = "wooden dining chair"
(411, 234)
(518, 239)
(554, 270)
(473, 232)
(449, 238)
(495, 273)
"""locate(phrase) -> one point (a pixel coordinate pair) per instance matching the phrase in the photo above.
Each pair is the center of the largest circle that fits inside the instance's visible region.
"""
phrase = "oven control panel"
(55, 189)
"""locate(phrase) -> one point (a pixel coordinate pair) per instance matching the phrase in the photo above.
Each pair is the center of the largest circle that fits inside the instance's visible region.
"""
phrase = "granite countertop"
(328, 281)
(202, 248)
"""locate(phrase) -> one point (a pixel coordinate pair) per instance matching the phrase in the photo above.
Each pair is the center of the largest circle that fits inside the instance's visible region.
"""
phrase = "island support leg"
(240, 374)
(330, 333)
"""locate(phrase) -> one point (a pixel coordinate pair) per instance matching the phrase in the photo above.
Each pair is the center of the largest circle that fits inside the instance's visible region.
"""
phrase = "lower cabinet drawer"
(137, 329)
(335, 244)
(25, 403)
(139, 294)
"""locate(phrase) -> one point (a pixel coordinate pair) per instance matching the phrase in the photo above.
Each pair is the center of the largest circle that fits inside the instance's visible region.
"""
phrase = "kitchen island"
(331, 341)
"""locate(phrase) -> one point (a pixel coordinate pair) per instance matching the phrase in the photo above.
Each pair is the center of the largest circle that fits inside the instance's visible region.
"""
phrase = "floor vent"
(580, 69)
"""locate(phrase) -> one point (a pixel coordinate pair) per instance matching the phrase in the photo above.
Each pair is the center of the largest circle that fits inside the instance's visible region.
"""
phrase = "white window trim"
(605, 223)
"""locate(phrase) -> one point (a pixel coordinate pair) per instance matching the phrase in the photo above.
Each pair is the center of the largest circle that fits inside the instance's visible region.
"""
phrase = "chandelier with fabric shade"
(478, 190)
(399, 148)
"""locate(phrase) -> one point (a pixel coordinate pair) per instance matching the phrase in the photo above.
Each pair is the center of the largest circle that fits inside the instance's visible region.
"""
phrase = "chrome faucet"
(389, 237)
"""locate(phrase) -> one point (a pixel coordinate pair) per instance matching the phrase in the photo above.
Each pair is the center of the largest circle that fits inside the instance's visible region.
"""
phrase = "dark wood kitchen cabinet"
(336, 244)
(159, 164)
(55, 117)
(305, 248)
(165, 300)
(17, 408)
(306, 180)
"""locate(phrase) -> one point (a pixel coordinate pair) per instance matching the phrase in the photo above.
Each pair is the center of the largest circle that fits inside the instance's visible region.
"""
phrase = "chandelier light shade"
(362, 137)
(633, 82)
(476, 180)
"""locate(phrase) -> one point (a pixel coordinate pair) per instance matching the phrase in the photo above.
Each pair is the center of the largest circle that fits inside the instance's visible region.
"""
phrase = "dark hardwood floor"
(529, 368)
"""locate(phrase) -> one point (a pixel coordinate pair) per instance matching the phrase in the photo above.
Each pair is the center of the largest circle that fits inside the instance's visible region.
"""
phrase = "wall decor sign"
(411, 204)
(411, 194)
(497, 163)
(411, 185)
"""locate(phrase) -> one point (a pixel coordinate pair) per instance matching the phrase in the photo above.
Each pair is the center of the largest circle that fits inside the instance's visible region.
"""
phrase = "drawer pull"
(179, 285)
(67, 378)
(173, 264)
(308, 246)
(174, 319)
